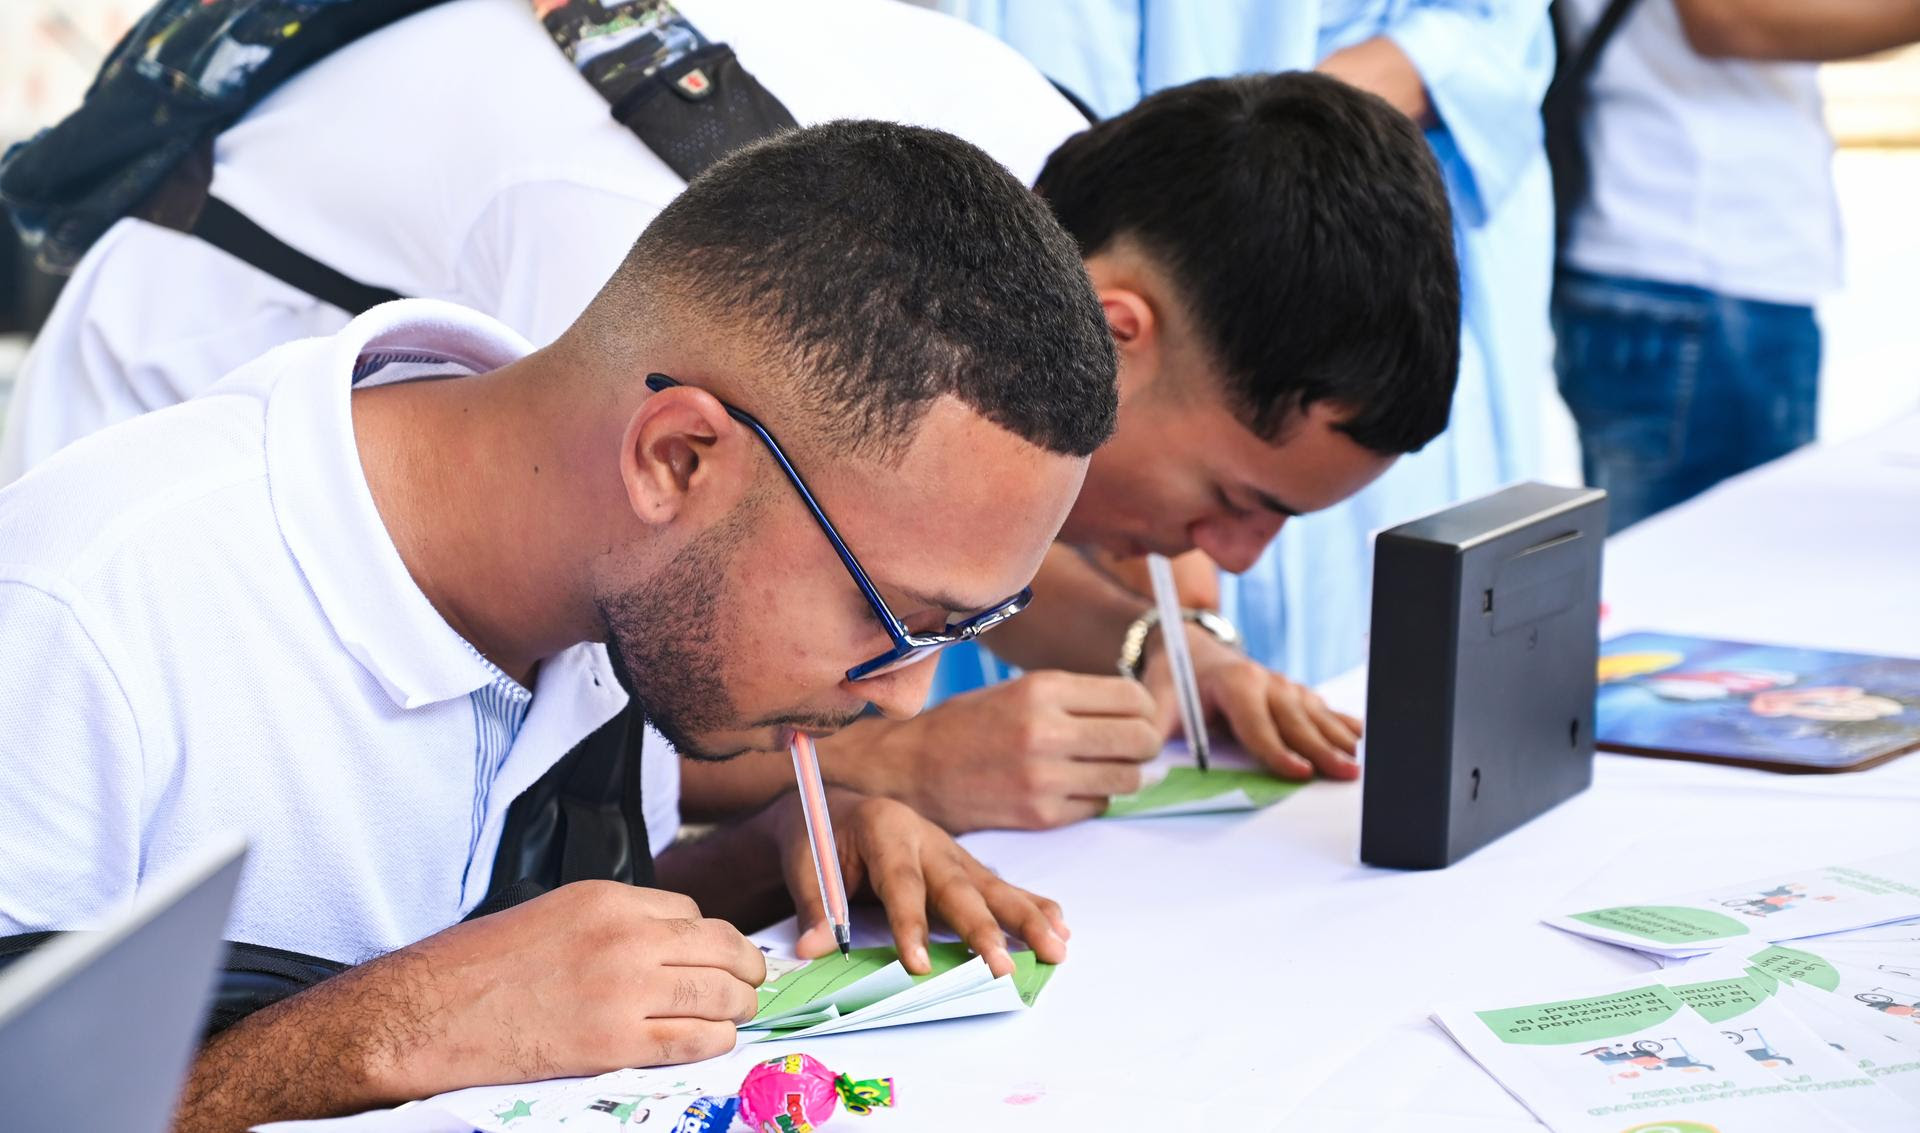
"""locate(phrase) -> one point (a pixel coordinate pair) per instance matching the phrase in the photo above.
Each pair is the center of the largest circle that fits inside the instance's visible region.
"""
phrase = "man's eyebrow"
(1276, 506)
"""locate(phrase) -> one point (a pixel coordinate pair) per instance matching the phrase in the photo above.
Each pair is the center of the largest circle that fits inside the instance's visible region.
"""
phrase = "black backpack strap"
(688, 99)
(182, 201)
(701, 109)
(506, 897)
(231, 231)
(585, 819)
(183, 73)
(252, 976)
(1576, 67)
(1092, 116)
(14, 947)
(1564, 110)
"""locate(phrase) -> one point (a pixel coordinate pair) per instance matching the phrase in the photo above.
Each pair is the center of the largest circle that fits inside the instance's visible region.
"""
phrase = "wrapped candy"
(795, 1093)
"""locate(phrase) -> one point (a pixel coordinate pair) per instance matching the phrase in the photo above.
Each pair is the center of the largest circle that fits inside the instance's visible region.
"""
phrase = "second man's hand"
(918, 872)
(1284, 725)
(1042, 750)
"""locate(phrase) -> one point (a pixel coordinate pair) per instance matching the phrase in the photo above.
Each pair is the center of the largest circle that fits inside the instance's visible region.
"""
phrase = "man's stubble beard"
(667, 632)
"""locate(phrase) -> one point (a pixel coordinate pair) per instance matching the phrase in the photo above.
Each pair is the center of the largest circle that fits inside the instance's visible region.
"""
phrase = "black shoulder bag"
(1564, 110)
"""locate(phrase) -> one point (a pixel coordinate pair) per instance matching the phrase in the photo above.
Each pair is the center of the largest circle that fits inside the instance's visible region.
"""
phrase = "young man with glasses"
(361, 594)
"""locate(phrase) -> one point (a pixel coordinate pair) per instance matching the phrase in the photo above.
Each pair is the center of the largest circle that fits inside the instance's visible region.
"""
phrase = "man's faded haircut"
(886, 266)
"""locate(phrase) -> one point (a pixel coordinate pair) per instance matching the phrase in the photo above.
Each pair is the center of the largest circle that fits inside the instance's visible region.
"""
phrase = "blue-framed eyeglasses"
(908, 647)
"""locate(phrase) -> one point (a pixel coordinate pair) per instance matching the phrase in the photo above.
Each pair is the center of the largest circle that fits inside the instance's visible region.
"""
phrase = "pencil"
(1173, 632)
(826, 856)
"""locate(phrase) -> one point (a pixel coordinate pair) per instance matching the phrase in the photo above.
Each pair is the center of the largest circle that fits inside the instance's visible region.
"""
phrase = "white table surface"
(1247, 972)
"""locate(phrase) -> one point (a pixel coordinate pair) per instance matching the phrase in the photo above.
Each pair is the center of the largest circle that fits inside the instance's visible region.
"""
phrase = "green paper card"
(1189, 790)
(869, 988)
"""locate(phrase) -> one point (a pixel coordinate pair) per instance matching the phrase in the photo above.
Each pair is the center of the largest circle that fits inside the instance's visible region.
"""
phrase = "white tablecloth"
(1248, 972)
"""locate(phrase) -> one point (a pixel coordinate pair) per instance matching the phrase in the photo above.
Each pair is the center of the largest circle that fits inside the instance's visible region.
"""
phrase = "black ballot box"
(1481, 671)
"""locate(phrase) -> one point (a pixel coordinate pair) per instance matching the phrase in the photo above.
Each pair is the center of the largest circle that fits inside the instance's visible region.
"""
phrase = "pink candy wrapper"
(795, 1093)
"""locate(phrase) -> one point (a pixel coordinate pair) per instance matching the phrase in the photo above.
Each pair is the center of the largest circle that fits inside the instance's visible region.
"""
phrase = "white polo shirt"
(208, 629)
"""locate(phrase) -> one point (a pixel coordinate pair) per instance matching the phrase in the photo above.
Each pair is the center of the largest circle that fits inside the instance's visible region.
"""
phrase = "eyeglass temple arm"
(895, 629)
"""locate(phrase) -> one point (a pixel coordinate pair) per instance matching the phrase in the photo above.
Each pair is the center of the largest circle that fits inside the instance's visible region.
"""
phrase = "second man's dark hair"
(891, 265)
(1306, 226)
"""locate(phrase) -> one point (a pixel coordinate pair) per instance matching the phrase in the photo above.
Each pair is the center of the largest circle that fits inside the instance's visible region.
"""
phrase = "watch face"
(1215, 624)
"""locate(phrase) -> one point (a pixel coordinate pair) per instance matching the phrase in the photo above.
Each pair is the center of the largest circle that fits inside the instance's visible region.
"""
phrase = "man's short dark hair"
(1306, 227)
(891, 265)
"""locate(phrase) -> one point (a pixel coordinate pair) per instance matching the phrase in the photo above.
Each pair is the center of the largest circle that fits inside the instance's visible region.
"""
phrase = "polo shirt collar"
(326, 511)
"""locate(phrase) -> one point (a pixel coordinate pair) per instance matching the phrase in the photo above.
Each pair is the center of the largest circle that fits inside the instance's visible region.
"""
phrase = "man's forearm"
(734, 873)
(721, 791)
(1195, 577)
(1076, 621)
(1378, 66)
(337, 1048)
(1796, 30)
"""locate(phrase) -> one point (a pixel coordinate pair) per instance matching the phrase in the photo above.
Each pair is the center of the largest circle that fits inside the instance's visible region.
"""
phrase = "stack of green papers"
(1189, 790)
(869, 988)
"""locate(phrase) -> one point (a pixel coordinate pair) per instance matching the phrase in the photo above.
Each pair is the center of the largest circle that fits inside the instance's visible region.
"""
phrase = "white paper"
(889, 981)
(1628, 1058)
(1889, 1003)
(1894, 1066)
(624, 1099)
(1765, 1030)
(1809, 902)
(997, 996)
(1899, 932)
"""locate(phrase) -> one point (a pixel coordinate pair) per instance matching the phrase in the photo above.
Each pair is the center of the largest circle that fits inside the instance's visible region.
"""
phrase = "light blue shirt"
(1303, 607)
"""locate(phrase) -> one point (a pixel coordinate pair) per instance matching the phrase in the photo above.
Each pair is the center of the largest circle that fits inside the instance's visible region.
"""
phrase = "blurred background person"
(1688, 348)
(1473, 75)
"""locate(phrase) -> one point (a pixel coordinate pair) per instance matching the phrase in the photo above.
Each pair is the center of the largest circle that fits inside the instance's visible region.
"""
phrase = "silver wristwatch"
(1133, 647)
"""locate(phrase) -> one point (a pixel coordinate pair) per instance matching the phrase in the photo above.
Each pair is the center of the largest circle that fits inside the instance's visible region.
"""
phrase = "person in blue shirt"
(1472, 74)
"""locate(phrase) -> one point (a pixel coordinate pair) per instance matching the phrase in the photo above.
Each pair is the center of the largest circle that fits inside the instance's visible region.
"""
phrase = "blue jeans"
(1676, 388)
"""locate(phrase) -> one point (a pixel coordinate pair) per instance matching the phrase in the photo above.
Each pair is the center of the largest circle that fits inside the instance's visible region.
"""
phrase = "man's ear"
(1129, 316)
(666, 451)
(1136, 330)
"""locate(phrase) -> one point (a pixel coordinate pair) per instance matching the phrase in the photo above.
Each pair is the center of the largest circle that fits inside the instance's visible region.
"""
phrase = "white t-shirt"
(458, 155)
(209, 629)
(1710, 172)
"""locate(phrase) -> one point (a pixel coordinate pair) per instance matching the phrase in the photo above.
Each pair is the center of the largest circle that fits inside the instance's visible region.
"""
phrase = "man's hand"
(589, 978)
(1041, 751)
(1286, 726)
(916, 870)
(592, 977)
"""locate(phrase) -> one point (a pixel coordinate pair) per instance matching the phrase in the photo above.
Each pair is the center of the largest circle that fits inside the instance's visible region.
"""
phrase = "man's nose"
(1236, 544)
(901, 693)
